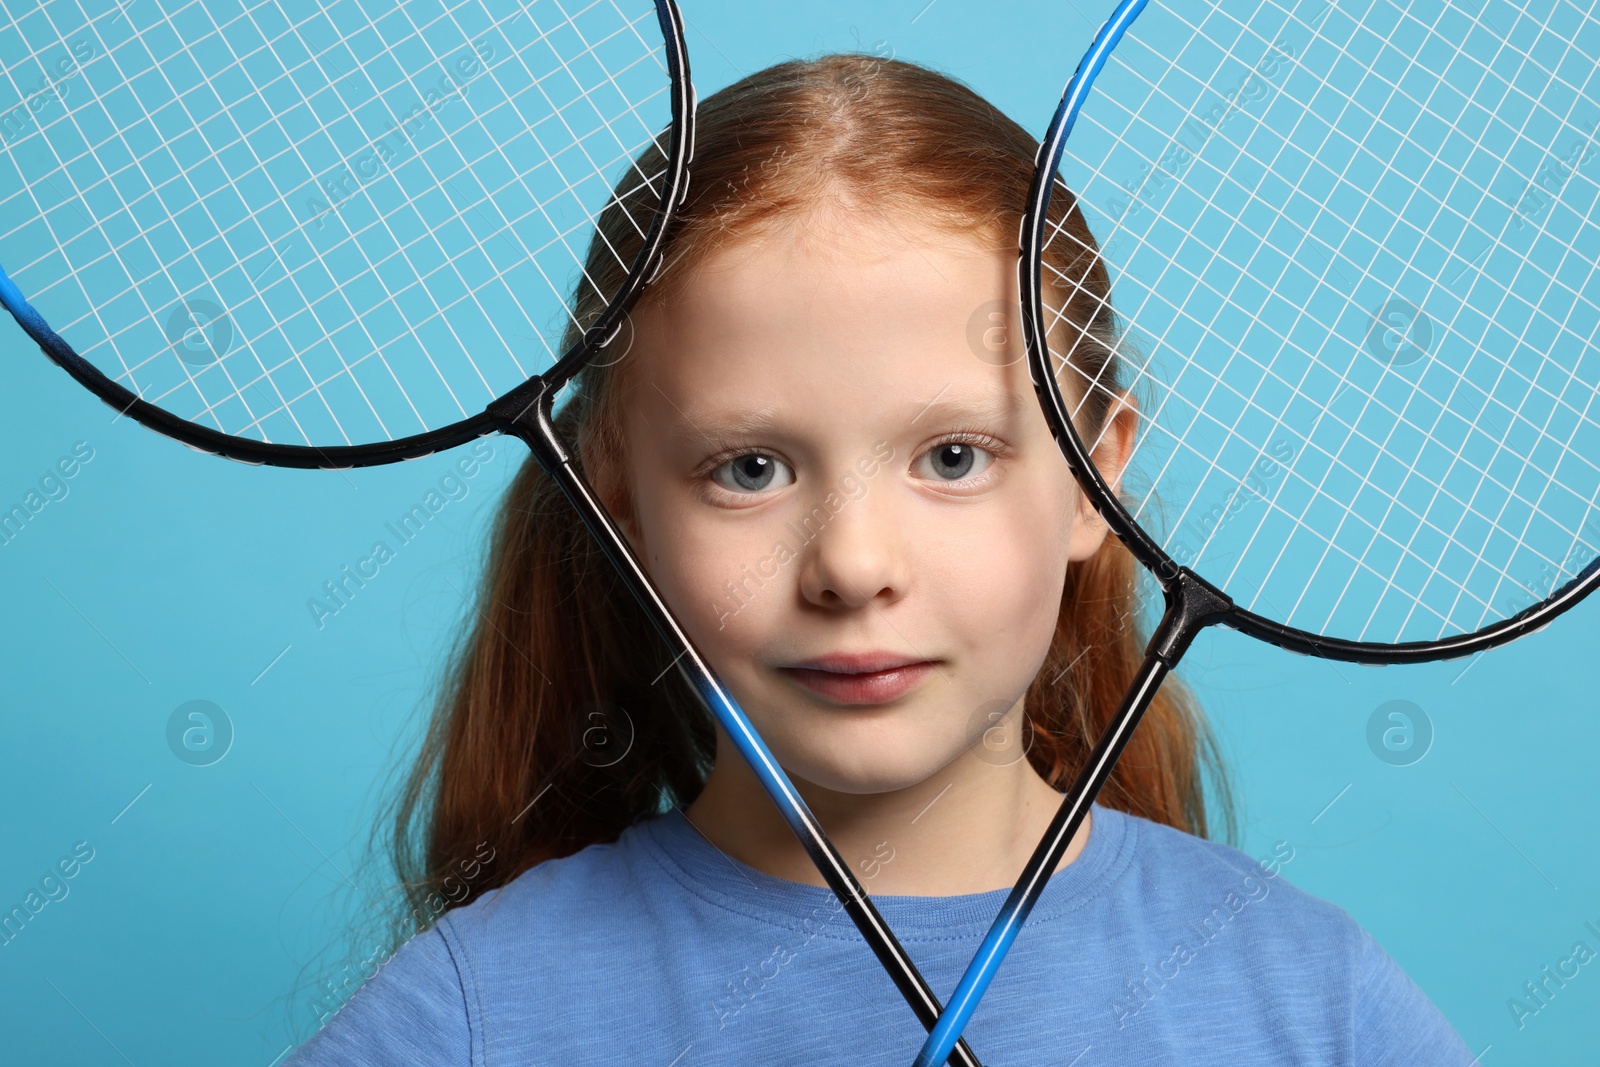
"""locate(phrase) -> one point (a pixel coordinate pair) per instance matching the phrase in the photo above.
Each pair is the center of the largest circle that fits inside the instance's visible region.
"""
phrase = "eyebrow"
(726, 428)
(982, 404)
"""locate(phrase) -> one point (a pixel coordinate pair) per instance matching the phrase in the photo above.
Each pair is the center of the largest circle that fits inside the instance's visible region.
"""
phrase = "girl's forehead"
(822, 325)
(830, 286)
(840, 232)
(820, 307)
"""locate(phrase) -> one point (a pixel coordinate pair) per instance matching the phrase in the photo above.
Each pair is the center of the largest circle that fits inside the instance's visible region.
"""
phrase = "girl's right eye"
(753, 472)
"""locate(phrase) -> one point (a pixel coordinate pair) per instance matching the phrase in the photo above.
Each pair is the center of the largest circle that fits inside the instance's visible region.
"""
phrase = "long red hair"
(508, 765)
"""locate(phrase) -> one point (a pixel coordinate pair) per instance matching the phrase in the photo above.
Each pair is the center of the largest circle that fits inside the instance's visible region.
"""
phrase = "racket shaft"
(529, 418)
(1036, 875)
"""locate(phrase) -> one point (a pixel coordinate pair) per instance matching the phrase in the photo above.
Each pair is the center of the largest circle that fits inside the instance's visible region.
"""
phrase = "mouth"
(861, 678)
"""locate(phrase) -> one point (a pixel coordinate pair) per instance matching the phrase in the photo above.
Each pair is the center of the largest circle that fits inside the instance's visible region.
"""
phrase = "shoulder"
(550, 900)
(1199, 899)
(1308, 956)
(1177, 870)
(426, 1003)
(413, 1010)
(1397, 1025)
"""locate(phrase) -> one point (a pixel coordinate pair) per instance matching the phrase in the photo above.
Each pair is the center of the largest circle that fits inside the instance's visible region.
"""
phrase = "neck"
(970, 828)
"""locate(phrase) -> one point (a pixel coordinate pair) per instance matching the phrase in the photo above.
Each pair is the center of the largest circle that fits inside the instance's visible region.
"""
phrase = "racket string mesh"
(319, 224)
(1353, 251)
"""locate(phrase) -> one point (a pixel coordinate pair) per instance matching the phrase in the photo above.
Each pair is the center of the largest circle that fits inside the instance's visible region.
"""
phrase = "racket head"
(1352, 325)
(324, 235)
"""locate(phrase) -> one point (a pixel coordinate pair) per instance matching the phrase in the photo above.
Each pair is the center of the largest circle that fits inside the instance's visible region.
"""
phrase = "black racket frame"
(526, 412)
(1191, 602)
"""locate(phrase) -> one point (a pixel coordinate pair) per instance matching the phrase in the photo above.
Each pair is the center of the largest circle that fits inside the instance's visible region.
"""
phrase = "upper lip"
(856, 662)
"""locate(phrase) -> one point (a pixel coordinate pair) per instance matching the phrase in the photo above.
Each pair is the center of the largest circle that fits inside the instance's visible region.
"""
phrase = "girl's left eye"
(954, 460)
(753, 472)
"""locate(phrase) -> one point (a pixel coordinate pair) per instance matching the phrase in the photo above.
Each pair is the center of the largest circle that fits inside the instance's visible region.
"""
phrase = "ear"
(1110, 452)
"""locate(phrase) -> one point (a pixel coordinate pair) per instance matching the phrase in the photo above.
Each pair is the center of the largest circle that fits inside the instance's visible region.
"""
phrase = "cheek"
(717, 572)
(996, 574)
(1033, 572)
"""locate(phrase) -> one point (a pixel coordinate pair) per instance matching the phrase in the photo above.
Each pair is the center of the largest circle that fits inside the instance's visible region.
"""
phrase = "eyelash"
(997, 449)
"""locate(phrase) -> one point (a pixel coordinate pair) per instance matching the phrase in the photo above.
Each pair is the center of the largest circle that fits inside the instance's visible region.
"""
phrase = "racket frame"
(1191, 602)
(1115, 514)
(526, 412)
(415, 446)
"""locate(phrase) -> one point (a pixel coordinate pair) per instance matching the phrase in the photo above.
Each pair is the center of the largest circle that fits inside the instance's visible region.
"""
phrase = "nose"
(854, 554)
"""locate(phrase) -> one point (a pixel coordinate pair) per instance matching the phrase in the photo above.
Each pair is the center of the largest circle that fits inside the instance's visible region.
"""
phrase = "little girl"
(822, 443)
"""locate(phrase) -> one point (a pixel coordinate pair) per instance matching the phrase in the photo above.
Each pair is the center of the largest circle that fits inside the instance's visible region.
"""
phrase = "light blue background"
(167, 576)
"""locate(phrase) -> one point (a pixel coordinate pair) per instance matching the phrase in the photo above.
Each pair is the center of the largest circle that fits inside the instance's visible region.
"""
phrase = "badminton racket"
(329, 235)
(1339, 262)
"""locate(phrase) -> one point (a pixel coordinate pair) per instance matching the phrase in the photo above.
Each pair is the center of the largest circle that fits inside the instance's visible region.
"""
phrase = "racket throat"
(528, 412)
(1192, 604)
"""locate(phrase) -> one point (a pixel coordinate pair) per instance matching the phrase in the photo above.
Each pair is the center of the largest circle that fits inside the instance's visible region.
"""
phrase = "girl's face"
(843, 485)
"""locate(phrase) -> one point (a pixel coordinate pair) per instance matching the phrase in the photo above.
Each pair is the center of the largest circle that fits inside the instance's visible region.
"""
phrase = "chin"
(866, 770)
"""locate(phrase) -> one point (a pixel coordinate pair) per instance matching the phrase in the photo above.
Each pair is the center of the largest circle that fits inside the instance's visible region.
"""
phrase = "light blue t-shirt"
(1153, 947)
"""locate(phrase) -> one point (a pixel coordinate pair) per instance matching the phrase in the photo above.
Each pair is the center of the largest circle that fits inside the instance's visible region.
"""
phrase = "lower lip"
(879, 687)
